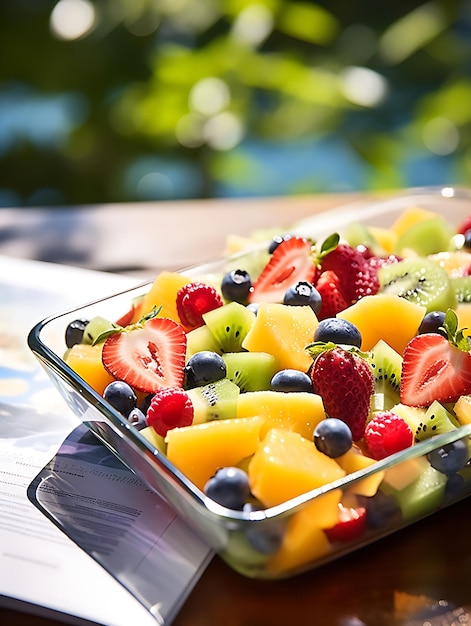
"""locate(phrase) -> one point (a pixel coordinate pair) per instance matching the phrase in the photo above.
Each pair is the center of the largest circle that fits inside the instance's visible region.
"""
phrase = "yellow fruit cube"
(385, 316)
(163, 293)
(199, 450)
(86, 361)
(304, 540)
(283, 331)
(297, 411)
(462, 409)
(285, 465)
(354, 461)
(463, 311)
(409, 217)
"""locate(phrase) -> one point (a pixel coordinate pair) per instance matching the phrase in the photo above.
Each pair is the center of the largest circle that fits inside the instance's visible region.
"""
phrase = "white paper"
(39, 565)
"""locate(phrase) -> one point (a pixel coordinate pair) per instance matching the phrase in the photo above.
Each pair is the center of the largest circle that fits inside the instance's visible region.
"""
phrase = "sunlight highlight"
(72, 19)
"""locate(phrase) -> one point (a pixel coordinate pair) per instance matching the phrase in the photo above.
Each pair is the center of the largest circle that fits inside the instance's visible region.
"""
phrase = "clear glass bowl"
(250, 541)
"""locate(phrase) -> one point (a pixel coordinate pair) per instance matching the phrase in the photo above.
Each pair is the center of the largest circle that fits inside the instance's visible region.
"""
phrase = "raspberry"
(387, 433)
(193, 301)
(169, 408)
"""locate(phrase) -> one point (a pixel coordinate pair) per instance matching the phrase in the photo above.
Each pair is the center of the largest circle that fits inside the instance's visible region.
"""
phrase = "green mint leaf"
(330, 243)
(454, 334)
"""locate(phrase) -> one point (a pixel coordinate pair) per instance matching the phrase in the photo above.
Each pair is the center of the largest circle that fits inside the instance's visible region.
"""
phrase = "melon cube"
(283, 331)
(355, 461)
(297, 411)
(286, 465)
(304, 540)
(385, 316)
(163, 293)
(199, 450)
(462, 409)
(85, 360)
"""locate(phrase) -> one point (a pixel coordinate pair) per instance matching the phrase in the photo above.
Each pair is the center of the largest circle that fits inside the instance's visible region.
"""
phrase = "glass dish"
(250, 541)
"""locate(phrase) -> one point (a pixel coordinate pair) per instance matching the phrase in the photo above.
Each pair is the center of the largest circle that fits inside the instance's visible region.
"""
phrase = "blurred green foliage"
(117, 100)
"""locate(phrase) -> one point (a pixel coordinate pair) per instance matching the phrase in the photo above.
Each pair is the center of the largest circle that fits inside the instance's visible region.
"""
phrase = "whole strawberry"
(344, 380)
(356, 276)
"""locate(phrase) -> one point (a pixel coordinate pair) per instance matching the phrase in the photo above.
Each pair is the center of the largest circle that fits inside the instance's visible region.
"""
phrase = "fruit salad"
(302, 388)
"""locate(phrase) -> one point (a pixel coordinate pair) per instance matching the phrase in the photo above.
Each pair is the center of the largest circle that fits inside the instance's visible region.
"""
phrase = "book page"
(42, 569)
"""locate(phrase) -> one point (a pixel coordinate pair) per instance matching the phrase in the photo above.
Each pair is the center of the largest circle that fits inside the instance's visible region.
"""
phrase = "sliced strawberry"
(290, 262)
(434, 369)
(333, 300)
(130, 315)
(148, 356)
(351, 524)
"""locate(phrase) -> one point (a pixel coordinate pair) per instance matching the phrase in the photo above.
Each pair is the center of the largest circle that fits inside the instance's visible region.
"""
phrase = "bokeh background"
(129, 100)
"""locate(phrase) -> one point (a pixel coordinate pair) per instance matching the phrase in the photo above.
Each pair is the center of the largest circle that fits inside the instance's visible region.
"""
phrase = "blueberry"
(264, 537)
(74, 332)
(290, 380)
(203, 368)
(229, 487)
(145, 404)
(432, 322)
(137, 418)
(303, 293)
(449, 458)
(121, 396)
(455, 487)
(381, 510)
(338, 331)
(333, 437)
(236, 286)
(467, 239)
(275, 242)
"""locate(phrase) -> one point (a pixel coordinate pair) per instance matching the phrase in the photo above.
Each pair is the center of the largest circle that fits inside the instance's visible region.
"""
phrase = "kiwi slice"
(214, 401)
(462, 288)
(425, 237)
(436, 421)
(420, 281)
(250, 371)
(357, 234)
(386, 364)
(200, 339)
(229, 324)
(97, 326)
(423, 496)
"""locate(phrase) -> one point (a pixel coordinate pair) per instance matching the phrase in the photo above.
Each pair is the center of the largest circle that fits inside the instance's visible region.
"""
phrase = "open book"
(81, 537)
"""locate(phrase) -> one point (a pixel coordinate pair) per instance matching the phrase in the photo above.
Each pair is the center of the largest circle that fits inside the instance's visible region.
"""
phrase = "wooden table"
(420, 576)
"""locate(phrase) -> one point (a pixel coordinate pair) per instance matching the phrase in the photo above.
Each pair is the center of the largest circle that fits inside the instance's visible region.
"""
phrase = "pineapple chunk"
(283, 331)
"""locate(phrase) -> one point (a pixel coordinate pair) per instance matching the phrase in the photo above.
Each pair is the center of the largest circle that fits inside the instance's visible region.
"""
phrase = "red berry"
(170, 408)
(434, 369)
(387, 433)
(356, 277)
(344, 380)
(193, 301)
(464, 226)
(290, 262)
(148, 355)
(351, 524)
(333, 301)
